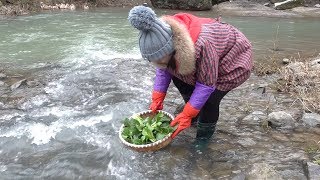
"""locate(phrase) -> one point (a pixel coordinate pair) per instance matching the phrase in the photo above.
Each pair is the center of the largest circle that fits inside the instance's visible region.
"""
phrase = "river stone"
(317, 5)
(246, 142)
(281, 119)
(12, 1)
(263, 171)
(18, 84)
(311, 119)
(276, 1)
(33, 83)
(183, 5)
(289, 4)
(255, 118)
(280, 137)
(313, 171)
(240, 176)
(315, 64)
(2, 76)
(2, 83)
(285, 61)
(296, 67)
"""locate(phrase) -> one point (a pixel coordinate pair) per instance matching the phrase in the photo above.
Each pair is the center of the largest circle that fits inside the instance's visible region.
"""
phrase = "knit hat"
(155, 37)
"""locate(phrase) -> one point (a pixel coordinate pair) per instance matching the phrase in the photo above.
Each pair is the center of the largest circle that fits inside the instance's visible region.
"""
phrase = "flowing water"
(85, 75)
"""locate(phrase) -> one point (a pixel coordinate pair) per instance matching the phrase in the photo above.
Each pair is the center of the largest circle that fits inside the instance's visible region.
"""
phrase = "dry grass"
(302, 81)
(267, 67)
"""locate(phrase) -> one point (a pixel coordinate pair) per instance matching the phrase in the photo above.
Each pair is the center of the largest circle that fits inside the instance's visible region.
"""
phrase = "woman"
(204, 58)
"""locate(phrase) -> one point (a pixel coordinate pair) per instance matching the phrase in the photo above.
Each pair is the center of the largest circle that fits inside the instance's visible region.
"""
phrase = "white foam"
(92, 121)
(89, 51)
(116, 171)
(10, 116)
(55, 111)
(54, 88)
(42, 134)
(3, 168)
(36, 101)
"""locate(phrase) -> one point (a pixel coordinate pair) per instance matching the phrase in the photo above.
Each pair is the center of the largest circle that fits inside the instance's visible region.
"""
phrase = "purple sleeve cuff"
(200, 95)
(162, 80)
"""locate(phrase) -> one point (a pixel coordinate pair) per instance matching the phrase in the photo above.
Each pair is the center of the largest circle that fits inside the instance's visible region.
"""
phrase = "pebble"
(2, 76)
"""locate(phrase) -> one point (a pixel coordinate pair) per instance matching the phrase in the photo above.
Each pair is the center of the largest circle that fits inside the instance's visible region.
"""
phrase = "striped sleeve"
(207, 62)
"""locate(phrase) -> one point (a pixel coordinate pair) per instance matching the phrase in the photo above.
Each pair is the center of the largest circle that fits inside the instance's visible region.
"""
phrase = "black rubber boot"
(194, 121)
(204, 134)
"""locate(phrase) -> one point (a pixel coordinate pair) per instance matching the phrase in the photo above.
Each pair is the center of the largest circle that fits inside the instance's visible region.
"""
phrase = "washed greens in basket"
(138, 130)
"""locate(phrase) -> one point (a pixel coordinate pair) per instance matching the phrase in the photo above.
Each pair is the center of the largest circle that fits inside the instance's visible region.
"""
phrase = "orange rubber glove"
(157, 101)
(184, 119)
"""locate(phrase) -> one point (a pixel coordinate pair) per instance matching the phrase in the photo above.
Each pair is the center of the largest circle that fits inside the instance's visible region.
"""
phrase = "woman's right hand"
(157, 101)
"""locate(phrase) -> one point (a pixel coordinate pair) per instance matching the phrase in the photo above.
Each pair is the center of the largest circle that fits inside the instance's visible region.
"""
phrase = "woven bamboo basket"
(152, 146)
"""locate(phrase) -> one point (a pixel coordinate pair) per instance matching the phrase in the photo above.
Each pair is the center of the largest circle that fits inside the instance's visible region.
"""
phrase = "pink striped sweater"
(222, 55)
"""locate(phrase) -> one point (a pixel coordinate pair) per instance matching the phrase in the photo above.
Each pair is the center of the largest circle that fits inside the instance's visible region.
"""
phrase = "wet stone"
(18, 84)
(298, 138)
(2, 76)
(313, 171)
(288, 4)
(240, 176)
(285, 61)
(255, 118)
(315, 64)
(263, 171)
(281, 119)
(280, 137)
(317, 156)
(33, 83)
(246, 142)
(311, 119)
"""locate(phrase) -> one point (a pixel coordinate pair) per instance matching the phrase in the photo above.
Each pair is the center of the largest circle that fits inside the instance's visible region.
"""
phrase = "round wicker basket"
(152, 146)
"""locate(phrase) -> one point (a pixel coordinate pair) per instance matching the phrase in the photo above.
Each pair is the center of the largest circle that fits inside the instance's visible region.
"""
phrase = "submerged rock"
(18, 84)
(311, 119)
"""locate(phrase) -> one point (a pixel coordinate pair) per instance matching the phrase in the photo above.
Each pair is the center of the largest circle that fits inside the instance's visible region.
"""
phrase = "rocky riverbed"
(236, 8)
(60, 119)
(256, 120)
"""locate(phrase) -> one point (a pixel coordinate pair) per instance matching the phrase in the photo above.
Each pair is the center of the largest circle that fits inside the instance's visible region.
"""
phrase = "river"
(88, 76)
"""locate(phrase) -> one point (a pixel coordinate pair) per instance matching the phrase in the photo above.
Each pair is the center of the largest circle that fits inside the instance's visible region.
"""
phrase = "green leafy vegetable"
(138, 130)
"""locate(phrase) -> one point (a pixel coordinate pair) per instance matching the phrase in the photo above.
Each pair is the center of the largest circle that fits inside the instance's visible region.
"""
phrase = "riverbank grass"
(302, 81)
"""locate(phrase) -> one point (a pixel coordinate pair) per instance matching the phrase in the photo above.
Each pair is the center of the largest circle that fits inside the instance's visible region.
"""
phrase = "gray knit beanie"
(155, 37)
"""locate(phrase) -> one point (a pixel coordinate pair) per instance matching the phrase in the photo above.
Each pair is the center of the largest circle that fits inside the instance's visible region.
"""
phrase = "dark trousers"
(210, 111)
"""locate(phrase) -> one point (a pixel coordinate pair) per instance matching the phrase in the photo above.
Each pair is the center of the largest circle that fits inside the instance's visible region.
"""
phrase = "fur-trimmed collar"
(183, 45)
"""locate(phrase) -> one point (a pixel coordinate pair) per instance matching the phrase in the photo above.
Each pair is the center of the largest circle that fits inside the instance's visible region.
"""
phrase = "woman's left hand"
(184, 119)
